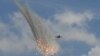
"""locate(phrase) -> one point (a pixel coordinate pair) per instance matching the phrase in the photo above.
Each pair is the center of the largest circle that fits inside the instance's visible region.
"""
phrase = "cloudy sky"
(77, 21)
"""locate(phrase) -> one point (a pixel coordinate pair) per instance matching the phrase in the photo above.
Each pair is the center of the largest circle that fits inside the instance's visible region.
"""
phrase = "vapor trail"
(43, 37)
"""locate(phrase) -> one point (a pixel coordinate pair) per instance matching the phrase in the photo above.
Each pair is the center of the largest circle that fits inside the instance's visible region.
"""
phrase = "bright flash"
(46, 48)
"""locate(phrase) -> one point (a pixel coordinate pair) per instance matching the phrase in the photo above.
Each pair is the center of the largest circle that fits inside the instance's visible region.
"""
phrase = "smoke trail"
(43, 37)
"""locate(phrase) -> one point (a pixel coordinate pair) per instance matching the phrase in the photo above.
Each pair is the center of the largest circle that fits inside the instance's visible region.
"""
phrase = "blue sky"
(76, 20)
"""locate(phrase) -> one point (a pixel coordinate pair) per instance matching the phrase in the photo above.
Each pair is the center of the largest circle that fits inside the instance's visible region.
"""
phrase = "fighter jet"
(58, 36)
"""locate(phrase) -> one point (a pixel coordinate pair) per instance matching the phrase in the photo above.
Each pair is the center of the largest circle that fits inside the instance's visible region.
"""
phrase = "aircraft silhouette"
(58, 36)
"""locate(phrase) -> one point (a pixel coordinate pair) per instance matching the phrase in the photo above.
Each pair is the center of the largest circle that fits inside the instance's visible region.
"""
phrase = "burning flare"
(46, 48)
(45, 41)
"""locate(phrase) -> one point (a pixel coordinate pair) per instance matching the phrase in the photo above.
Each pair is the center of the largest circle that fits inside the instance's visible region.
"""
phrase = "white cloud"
(75, 34)
(11, 42)
(94, 51)
(64, 26)
(71, 17)
(69, 32)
